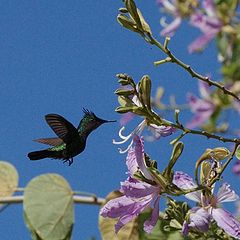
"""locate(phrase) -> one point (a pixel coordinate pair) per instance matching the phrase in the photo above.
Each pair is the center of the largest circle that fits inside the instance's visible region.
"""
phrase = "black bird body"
(71, 141)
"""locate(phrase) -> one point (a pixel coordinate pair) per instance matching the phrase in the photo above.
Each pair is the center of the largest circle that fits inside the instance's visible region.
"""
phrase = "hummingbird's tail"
(37, 155)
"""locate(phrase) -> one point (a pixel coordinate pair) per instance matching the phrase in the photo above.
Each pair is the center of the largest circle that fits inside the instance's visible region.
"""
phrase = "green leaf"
(34, 235)
(8, 179)
(237, 154)
(128, 232)
(48, 204)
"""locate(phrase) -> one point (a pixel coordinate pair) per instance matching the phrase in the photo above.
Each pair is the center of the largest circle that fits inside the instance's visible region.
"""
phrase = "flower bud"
(219, 153)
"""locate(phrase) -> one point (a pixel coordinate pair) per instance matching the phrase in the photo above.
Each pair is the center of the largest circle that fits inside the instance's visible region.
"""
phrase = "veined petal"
(199, 219)
(184, 181)
(135, 209)
(139, 151)
(151, 222)
(227, 222)
(226, 194)
(161, 131)
(131, 162)
(117, 207)
(136, 189)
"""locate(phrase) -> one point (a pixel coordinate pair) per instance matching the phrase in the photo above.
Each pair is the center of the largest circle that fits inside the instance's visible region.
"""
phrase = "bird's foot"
(70, 161)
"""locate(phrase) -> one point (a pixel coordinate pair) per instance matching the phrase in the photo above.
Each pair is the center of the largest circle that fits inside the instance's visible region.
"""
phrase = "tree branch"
(76, 199)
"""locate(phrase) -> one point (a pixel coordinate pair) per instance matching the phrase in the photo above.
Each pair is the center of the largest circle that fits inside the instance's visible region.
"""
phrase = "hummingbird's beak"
(107, 121)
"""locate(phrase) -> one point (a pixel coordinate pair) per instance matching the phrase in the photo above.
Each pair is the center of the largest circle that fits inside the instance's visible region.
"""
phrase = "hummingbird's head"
(91, 121)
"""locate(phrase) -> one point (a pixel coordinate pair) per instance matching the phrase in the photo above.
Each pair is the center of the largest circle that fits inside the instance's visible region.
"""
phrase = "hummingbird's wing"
(63, 128)
(50, 141)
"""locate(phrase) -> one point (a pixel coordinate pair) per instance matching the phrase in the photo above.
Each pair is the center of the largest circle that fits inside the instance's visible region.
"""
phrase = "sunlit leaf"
(128, 232)
(48, 204)
(8, 179)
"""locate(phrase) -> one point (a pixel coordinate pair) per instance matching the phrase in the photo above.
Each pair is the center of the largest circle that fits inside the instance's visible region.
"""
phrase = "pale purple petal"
(199, 219)
(209, 7)
(151, 222)
(199, 105)
(171, 28)
(139, 152)
(169, 6)
(203, 109)
(185, 228)
(184, 181)
(118, 206)
(227, 222)
(126, 117)
(206, 23)
(161, 131)
(226, 194)
(204, 90)
(236, 168)
(136, 189)
(135, 209)
(201, 42)
(131, 162)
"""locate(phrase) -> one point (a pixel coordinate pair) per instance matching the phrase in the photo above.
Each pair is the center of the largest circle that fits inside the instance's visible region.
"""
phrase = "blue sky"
(61, 56)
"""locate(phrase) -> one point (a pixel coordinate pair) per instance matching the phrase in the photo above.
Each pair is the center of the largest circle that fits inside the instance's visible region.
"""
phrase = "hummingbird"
(71, 141)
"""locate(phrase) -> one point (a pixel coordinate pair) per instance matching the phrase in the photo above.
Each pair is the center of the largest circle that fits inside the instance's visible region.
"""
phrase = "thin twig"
(76, 199)
(190, 70)
(158, 121)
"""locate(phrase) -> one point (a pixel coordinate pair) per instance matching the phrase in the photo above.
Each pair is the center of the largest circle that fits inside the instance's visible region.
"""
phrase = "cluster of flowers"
(139, 194)
(208, 21)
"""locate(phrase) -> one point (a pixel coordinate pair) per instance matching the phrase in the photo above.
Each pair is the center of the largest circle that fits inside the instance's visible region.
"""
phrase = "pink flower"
(203, 107)
(138, 195)
(208, 23)
(208, 209)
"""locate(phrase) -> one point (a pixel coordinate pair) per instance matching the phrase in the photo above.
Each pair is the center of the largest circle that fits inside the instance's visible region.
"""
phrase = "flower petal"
(199, 219)
(236, 168)
(126, 117)
(184, 181)
(151, 222)
(131, 162)
(203, 109)
(136, 189)
(200, 43)
(227, 222)
(161, 131)
(135, 209)
(226, 194)
(170, 29)
(117, 207)
(139, 152)
(204, 90)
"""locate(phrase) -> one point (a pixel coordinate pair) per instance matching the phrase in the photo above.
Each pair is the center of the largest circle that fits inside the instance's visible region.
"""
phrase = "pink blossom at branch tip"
(203, 107)
(138, 195)
(210, 209)
(208, 23)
